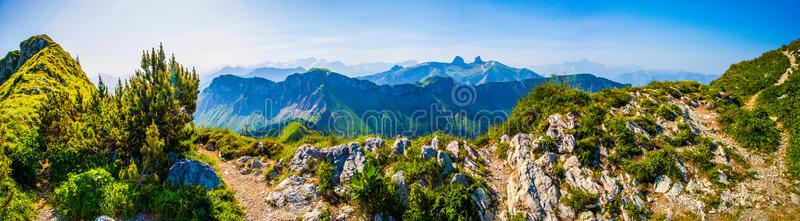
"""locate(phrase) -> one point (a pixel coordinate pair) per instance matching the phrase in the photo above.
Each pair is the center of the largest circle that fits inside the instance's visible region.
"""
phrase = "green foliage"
(635, 212)
(232, 145)
(544, 100)
(449, 202)
(753, 130)
(293, 132)
(586, 150)
(118, 199)
(417, 169)
(749, 77)
(193, 203)
(26, 161)
(613, 206)
(162, 93)
(669, 111)
(324, 176)
(155, 159)
(700, 156)
(655, 163)
(548, 145)
(372, 194)
(614, 97)
(624, 139)
(578, 199)
(15, 204)
(685, 136)
(502, 150)
(79, 197)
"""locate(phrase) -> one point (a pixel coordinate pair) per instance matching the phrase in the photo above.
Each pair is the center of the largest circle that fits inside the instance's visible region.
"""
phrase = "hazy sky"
(109, 36)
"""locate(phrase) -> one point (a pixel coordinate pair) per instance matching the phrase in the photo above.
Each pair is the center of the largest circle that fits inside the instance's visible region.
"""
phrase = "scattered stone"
(586, 215)
(484, 204)
(435, 142)
(795, 198)
(104, 218)
(558, 131)
(662, 184)
(504, 138)
(299, 161)
(676, 189)
(547, 160)
(427, 152)
(402, 188)
(444, 160)
(460, 179)
(193, 173)
(347, 159)
(470, 165)
(293, 192)
(723, 178)
(373, 144)
(312, 216)
(453, 148)
(470, 152)
(400, 145)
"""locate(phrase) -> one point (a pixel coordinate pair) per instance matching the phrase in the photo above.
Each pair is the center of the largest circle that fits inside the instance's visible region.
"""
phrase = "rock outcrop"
(193, 173)
(400, 145)
(294, 192)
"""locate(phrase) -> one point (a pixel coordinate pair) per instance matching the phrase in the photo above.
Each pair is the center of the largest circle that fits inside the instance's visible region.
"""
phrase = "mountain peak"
(396, 67)
(33, 45)
(478, 60)
(458, 60)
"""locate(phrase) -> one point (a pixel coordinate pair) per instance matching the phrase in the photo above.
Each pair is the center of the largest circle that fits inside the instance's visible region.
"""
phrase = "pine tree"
(162, 93)
(153, 153)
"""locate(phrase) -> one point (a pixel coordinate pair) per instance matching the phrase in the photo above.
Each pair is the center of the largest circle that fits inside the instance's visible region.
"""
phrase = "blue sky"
(703, 37)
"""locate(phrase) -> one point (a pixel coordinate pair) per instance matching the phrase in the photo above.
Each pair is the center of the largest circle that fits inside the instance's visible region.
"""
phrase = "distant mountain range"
(634, 75)
(477, 72)
(329, 101)
(278, 71)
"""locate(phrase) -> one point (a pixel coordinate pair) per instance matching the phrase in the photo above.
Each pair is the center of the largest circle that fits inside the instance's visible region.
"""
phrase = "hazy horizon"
(698, 37)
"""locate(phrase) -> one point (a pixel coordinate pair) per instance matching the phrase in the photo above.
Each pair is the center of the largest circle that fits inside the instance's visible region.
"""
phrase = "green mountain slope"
(331, 102)
(477, 72)
(770, 82)
(39, 67)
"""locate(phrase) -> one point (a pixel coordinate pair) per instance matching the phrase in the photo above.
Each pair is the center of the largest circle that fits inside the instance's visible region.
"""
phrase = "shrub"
(372, 194)
(655, 163)
(119, 199)
(417, 169)
(578, 199)
(324, 176)
(181, 202)
(18, 204)
(756, 131)
(502, 150)
(685, 136)
(26, 164)
(449, 202)
(669, 111)
(613, 97)
(544, 100)
(547, 144)
(80, 195)
(586, 150)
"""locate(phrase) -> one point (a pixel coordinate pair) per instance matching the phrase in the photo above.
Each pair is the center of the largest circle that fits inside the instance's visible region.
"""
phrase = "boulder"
(104, 218)
(313, 215)
(452, 148)
(400, 145)
(723, 178)
(505, 138)
(483, 201)
(586, 215)
(347, 159)
(637, 129)
(519, 148)
(299, 161)
(662, 184)
(557, 130)
(247, 164)
(547, 160)
(470, 165)
(435, 142)
(609, 184)
(531, 192)
(402, 188)
(720, 157)
(193, 173)
(427, 152)
(459, 178)
(373, 144)
(470, 152)
(676, 189)
(577, 178)
(293, 193)
(795, 198)
(445, 162)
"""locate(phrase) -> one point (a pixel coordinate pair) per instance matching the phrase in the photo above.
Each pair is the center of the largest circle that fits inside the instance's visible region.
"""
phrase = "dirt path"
(751, 104)
(250, 190)
(497, 178)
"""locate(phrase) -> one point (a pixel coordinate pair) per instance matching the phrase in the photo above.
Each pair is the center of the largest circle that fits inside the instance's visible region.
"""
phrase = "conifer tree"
(163, 93)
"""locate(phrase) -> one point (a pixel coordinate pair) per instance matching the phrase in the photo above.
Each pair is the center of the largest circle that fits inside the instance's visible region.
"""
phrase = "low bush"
(80, 196)
(655, 163)
(372, 194)
(578, 199)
